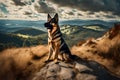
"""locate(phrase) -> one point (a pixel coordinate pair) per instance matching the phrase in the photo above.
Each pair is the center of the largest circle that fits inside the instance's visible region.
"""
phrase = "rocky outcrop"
(104, 50)
(76, 70)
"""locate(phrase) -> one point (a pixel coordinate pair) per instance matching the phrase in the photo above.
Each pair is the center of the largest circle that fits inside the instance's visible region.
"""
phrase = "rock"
(85, 77)
(67, 73)
(53, 70)
(81, 67)
(77, 70)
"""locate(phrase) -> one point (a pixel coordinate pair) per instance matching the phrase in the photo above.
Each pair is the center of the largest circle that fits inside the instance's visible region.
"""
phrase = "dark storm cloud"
(71, 13)
(44, 8)
(91, 5)
(80, 14)
(18, 2)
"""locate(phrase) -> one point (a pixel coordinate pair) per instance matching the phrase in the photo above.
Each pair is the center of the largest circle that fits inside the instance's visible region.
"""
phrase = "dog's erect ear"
(49, 18)
(56, 17)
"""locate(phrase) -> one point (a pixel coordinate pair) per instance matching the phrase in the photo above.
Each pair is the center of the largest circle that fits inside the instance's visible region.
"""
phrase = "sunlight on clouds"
(29, 11)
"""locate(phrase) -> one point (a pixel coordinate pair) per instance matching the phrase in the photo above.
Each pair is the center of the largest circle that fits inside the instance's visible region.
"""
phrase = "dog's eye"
(53, 24)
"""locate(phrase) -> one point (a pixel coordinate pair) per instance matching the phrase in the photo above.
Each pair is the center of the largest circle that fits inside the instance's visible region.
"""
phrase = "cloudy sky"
(67, 9)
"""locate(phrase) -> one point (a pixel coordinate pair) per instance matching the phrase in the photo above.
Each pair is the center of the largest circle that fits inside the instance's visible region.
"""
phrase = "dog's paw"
(56, 61)
(46, 61)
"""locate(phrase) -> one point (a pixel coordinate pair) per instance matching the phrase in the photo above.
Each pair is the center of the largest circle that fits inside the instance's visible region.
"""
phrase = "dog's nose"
(46, 24)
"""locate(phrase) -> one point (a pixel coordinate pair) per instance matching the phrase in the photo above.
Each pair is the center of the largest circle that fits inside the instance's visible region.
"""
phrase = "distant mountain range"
(8, 26)
(27, 33)
(89, 22)
(21, 33)
(15, 25)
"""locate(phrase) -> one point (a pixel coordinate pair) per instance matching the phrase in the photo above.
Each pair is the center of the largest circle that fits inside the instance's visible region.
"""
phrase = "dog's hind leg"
(66, 57)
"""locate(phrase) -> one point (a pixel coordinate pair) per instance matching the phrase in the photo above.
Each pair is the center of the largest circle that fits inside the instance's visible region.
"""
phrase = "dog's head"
(51, 22)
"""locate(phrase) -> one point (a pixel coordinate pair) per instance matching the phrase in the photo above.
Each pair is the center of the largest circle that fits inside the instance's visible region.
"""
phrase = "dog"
(58, 49)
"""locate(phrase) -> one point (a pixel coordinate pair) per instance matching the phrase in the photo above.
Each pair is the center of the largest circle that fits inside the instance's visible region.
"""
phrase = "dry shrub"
(19, 64)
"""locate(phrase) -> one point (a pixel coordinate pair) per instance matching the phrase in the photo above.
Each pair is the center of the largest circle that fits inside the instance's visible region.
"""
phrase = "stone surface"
(77, 70)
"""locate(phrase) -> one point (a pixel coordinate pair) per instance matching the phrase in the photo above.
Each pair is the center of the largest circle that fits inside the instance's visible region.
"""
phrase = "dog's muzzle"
(48, 25)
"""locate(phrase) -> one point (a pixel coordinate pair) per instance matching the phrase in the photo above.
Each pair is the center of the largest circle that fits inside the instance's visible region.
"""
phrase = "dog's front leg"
(56, 53)
(50, 51)
(50, 54)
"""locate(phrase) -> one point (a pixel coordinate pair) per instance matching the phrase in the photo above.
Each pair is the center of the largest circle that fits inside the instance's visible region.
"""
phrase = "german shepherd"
(58, 49)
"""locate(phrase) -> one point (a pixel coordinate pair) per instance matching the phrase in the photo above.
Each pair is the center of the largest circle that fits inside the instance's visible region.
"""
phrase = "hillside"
(8, 41)
(20, 37)
(11, 40)
(30, 32)
(73, 33)
(104, 50)
(96, 59)
(22, 63)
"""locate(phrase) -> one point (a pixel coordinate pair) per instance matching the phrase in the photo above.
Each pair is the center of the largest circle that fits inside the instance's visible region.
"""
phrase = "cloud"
(70, 13)
(44, 8)
(18, 2)
(67, 9)
(91, 5)
(40, 6)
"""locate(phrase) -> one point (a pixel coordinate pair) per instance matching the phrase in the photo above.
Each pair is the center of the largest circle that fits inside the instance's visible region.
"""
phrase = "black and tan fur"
(58, 49)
